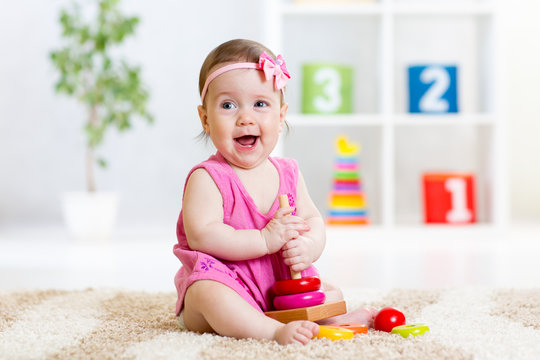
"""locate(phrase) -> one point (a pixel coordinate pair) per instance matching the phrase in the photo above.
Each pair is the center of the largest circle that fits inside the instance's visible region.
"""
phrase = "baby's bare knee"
(198, 297)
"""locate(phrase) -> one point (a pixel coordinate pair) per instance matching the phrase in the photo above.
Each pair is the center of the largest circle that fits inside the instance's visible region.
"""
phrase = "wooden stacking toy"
(297, 292)
(301, 298)
(347, 201)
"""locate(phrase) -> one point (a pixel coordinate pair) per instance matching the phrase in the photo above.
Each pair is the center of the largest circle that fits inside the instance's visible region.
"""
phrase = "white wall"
(523, 96)
(41, 144)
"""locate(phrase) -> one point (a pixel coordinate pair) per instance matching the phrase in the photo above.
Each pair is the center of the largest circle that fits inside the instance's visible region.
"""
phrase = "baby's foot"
(296, 332)
(363, 316)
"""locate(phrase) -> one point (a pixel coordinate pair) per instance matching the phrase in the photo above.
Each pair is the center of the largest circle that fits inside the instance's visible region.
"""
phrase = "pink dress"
(252, 279)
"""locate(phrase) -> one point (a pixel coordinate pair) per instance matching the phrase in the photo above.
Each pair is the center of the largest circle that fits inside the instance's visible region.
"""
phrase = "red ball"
(388, 318)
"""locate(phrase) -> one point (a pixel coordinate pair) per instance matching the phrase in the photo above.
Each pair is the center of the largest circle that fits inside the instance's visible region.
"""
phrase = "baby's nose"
(245, 118)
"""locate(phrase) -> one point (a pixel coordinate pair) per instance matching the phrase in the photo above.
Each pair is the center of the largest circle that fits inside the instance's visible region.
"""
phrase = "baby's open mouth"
(246, 140)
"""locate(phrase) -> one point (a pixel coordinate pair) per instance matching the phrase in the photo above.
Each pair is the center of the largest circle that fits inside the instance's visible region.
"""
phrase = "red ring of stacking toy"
(294, 301)
(296, 286)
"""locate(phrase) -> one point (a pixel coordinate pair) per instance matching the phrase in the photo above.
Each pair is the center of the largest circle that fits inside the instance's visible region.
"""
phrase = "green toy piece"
(412, 329)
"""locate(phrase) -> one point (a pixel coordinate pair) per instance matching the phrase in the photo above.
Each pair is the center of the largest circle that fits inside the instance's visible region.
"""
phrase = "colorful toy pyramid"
(347, 201)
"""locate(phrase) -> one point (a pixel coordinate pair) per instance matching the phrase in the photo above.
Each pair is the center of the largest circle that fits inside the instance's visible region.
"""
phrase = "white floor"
(374, 258)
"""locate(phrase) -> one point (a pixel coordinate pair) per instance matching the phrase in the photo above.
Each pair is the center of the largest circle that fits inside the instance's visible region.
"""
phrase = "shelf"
(410, 8)
(332, 9)
(380, 40)
(451, 9)
(335, 120)
(401, 119)
(444, 119)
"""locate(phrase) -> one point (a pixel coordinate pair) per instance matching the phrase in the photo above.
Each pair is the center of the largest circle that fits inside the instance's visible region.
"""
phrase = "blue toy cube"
(433, 89)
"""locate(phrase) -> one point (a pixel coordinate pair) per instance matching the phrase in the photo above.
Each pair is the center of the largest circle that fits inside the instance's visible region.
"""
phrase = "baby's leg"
(363, 316)
(210, 306)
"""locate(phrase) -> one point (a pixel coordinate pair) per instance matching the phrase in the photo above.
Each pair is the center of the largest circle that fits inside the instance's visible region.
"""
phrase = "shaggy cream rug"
(114, 324)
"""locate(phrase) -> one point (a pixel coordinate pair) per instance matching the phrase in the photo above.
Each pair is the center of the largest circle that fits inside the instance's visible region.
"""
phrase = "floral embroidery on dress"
(207, 264)
(292, 203)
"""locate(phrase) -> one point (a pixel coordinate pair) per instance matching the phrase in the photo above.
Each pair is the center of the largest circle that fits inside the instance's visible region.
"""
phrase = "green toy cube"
(327, 88)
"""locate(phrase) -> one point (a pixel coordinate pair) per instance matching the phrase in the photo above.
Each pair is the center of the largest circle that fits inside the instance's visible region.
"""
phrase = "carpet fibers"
(466, 323)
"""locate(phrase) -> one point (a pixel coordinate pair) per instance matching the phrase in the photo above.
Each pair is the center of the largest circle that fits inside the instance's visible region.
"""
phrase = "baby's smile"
(246, 140)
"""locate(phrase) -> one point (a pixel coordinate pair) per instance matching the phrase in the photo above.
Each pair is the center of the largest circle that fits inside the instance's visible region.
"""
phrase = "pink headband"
(277, 69)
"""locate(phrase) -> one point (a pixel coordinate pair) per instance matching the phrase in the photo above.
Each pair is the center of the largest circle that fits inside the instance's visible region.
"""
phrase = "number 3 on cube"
(326, 88)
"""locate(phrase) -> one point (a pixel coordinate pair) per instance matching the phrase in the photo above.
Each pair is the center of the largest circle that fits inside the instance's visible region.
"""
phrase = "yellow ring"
(334, 333)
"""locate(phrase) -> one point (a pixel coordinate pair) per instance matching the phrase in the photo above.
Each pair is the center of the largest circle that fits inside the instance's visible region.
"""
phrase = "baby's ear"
(283, 114)
(204, 118)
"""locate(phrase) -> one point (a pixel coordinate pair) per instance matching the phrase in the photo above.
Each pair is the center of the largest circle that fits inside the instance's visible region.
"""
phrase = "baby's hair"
(232, 51)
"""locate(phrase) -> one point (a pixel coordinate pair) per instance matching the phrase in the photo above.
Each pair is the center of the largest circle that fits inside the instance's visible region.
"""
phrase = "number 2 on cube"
(433, 89)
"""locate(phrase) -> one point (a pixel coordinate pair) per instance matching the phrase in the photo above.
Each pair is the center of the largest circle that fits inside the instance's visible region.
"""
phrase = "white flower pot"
(90, 216)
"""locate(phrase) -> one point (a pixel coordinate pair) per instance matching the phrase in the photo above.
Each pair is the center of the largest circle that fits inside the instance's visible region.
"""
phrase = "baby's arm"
(202, 211)
(301, 252)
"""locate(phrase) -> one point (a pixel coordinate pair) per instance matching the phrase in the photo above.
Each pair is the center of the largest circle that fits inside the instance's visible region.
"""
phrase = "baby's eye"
(261, 104)
(228, 105)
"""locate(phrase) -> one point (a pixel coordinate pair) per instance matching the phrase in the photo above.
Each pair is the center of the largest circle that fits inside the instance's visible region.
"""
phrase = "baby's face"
(243, 116)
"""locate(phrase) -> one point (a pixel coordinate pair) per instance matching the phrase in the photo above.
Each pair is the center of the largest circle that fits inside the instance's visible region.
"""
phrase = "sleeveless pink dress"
(251, 279)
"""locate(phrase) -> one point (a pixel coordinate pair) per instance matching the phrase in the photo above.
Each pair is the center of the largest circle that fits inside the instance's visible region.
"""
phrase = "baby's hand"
(297, 253)
(282, 228)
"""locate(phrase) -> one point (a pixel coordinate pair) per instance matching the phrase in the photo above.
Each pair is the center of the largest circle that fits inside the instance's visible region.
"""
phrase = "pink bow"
(274, 68)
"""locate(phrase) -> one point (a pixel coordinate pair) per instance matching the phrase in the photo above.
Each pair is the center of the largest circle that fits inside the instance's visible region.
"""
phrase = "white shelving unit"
(380, 39)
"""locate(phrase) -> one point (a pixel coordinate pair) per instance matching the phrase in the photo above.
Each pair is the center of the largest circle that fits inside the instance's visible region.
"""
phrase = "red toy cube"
(449, 198)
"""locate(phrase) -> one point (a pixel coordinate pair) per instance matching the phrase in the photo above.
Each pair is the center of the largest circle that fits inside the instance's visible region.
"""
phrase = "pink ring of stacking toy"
(294, 301)
(295, 286)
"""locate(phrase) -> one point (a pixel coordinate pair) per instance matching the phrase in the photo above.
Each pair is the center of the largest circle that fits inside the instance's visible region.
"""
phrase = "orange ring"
(357, 328)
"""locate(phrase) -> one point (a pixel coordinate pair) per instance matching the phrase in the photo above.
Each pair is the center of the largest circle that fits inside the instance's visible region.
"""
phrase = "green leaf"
(89, 71)
(102, 163)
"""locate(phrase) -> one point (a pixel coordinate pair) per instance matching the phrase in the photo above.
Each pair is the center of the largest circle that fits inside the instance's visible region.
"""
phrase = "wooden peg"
(311, 313)
(284, 202)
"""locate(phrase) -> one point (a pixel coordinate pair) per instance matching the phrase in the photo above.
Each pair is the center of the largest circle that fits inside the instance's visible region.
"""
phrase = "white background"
(41, 142)
(42, 149)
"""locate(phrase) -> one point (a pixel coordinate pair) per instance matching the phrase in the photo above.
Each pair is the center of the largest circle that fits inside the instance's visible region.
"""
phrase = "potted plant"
(111, 91)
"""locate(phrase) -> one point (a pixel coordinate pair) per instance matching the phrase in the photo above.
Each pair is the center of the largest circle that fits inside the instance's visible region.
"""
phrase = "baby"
(234, 241)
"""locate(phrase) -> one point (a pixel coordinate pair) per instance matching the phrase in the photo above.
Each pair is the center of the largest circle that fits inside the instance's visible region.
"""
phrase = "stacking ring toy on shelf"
(412, 329)
(294, 301)
(334, 333)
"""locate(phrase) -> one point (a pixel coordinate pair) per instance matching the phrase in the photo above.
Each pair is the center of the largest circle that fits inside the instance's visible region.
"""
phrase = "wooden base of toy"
(311, 313)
